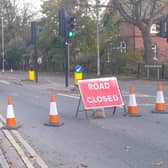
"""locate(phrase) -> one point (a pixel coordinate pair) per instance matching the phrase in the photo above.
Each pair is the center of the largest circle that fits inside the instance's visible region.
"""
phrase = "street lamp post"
(98, 39)
(2, 34)
(98, 5)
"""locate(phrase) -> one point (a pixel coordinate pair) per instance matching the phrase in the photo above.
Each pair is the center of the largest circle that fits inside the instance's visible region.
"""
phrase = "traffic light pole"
(66, 63)
(35, 62)
(66, 30)
(3, 53)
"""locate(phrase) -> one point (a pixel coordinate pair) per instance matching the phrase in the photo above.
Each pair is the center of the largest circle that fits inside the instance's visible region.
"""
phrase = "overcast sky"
(34, 5)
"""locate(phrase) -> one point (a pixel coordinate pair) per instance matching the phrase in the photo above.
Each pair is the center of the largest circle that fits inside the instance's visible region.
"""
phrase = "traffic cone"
(53, 119)
(132, 105)
(10, 117)
(160, 106)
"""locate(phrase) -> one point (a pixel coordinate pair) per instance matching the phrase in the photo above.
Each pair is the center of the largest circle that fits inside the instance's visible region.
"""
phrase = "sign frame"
(106, 89)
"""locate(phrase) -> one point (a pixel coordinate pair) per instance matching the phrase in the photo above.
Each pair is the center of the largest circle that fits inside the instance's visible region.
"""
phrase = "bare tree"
(142, 13)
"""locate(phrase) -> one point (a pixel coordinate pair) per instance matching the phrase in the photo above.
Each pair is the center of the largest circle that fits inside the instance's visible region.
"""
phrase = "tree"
(142, 13)
(85, 39)
(16, 30)
(83, 44)
(14, 56)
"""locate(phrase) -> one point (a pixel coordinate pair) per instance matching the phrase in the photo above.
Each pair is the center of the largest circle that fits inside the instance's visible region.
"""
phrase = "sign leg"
(114, 110)
(86, 114)
(77, 110)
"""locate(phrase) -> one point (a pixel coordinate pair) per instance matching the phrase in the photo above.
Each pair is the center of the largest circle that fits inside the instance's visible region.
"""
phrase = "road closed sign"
(101, 92)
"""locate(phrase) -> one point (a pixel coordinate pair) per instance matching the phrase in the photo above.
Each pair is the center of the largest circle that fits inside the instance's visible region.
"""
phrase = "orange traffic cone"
(53, 119)
(10, 117)
(132, 105)
(160, 106)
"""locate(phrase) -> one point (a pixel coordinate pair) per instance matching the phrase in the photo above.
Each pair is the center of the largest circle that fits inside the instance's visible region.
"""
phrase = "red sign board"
(102, 92)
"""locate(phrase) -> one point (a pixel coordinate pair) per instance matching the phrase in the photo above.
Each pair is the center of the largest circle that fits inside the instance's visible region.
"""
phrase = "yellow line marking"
(17, 147)
(32, 152)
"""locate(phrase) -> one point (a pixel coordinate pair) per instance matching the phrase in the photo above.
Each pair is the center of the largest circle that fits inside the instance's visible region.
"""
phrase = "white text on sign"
(101, 99)
(98, 86)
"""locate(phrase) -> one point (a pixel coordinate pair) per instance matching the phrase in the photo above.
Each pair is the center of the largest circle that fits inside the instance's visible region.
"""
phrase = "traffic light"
(71, 32)
(61, 15)
(66, 24)
(33, 32)
(70, 26)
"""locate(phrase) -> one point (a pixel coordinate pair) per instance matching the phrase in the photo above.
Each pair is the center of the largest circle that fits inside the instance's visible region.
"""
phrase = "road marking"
(139, 95)
(21, 153)
(66, 95)
(4, 82)
(145, 104)
(125, 95)
(30, 150)
(17, 147)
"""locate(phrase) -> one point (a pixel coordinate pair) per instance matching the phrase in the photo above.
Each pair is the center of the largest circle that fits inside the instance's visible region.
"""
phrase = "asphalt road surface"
(117, 141)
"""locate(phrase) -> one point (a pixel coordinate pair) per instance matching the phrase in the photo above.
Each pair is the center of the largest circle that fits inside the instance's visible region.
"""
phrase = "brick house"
(134, 42)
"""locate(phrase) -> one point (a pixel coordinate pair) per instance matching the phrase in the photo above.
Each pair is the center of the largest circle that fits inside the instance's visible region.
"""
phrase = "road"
(114, 142)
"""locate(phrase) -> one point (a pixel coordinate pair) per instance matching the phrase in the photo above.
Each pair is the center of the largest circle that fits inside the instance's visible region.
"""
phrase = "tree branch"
(124, 13)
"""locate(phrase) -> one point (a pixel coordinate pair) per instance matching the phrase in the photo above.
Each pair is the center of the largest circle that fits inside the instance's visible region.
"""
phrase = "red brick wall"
(127, 32)
(162, 49)
(135, 41)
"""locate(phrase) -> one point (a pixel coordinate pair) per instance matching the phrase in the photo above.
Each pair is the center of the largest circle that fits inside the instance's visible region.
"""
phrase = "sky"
(34, 4)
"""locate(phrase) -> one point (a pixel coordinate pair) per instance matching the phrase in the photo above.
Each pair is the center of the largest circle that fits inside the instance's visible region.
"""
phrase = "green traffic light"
(71, 34)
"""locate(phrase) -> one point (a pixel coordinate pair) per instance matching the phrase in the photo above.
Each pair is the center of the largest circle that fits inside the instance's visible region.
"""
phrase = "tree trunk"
(148, 56)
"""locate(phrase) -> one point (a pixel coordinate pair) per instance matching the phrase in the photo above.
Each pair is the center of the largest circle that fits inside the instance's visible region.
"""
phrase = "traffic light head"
(33, 32)
(66, 24)
(70, 26)
(72, 22)
(61, 15)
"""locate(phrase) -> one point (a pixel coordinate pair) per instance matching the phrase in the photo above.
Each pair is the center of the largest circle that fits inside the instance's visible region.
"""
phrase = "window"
(154, 29)
(123, 47)
(154, 51)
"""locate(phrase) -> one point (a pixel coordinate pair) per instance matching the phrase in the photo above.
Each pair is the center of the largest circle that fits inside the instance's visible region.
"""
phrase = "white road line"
(4, 82)
(145, 104)
(77, 97)
(21, 153)
(125, 95)
(140, 95)
(17, 147)
(66, 95)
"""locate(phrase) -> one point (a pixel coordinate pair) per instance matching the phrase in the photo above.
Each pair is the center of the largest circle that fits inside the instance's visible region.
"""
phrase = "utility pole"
(98, 38)
(34, 42)
(3, 50)
(97, 6)
(167, 27)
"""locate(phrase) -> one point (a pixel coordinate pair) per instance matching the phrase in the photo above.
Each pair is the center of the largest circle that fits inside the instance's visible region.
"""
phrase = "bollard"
(31, 75)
